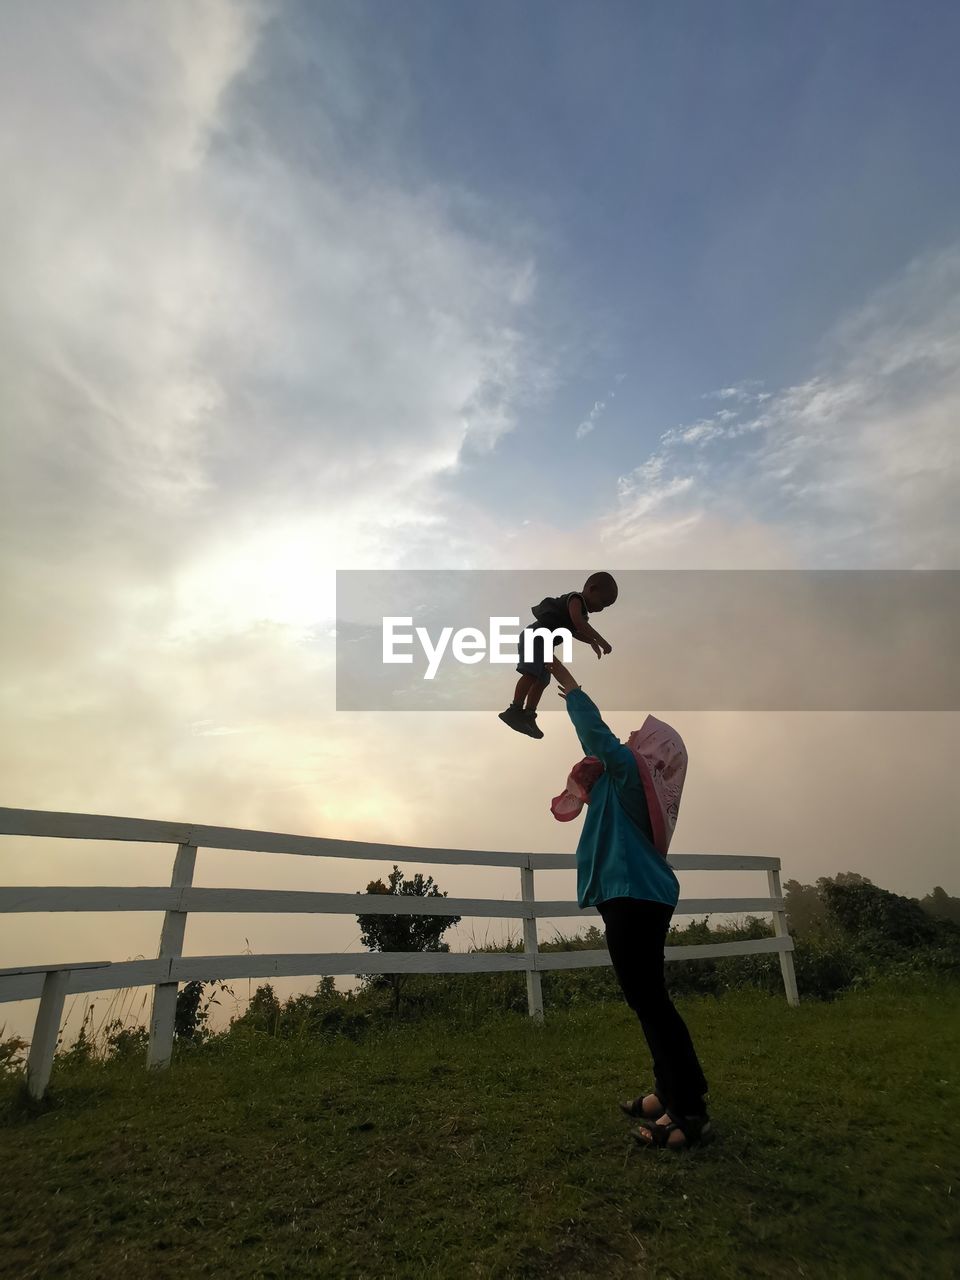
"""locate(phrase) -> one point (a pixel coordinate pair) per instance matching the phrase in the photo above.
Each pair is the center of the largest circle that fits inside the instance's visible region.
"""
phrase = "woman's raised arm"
(595, 738)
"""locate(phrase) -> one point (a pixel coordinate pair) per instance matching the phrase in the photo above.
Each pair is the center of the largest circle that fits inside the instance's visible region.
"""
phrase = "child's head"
(599, 591)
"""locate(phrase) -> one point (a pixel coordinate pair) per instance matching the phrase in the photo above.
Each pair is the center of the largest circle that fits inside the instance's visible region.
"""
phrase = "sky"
(291, 288)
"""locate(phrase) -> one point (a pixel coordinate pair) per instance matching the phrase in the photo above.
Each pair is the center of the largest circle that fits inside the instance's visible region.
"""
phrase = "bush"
(872, 914)
(824, 968)
(12, 1060)
(262, 1014)
(83, 1049)
(890, 934)
(193, 1010)
(566, 988)
(124, 1043)
(326, 1013)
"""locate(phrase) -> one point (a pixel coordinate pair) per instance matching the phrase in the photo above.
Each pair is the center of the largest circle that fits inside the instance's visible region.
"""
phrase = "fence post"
(171, 948)
(781, 931)
(531, 946)
(45, 1032)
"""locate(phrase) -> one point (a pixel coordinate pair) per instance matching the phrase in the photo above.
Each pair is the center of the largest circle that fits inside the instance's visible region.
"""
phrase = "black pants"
(636, 933)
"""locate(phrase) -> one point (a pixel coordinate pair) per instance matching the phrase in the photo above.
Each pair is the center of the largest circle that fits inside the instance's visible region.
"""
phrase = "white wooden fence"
(53, 982)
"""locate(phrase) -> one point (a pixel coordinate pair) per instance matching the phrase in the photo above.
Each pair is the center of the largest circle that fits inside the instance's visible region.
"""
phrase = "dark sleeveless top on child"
(554, 611)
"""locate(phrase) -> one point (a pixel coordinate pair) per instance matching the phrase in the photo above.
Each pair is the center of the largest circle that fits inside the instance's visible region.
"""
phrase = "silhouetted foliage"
(844, 878)
(805, 909)
(941, 905)
(865, 911)
(262, 1014)
(83, 1049)
(126, 1042)
(327, 1012)
(403, 933)
(80, 1052)
(192, 1011)
(805, 904)
(891, 933)
(12, 1057)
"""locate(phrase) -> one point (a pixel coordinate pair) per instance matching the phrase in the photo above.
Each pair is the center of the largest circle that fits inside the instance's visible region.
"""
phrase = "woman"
(632, 792)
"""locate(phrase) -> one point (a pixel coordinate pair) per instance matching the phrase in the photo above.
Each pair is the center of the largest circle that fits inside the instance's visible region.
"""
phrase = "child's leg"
(514, 716)
(535, 694)
(524, 686)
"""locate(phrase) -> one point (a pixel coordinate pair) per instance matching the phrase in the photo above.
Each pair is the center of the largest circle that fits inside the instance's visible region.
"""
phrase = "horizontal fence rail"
(145, 973)
(279, 901)
(181, 897)
(89, 826)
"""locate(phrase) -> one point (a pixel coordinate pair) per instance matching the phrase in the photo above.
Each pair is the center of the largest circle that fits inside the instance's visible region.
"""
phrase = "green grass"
(499, 1151)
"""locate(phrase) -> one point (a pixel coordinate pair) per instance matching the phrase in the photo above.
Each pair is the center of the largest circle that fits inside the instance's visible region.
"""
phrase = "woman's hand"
(563, 677)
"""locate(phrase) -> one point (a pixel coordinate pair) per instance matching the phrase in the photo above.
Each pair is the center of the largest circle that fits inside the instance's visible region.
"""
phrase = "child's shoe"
(529, 724)
(514, 717)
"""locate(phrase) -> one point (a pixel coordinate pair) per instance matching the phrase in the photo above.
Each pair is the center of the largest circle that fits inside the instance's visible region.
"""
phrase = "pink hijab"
(662, 763)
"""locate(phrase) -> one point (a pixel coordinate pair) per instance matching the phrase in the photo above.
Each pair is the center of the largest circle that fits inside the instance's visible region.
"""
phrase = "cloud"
(746, 392)
(234, 357)
(857, 466)
(588, 423)
(699, 432)
(195, 329)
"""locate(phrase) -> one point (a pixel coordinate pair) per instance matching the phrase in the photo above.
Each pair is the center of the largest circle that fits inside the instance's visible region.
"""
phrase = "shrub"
(83, 1049)
(824, 968)
(327, 1012)
(12, 1060)
(124, 1043)
(872, 914)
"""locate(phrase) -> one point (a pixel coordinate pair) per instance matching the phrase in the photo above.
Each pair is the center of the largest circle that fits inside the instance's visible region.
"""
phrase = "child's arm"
(583, 630)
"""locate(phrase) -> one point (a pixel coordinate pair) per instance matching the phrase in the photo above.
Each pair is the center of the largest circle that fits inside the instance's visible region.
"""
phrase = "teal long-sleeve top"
(616, 856)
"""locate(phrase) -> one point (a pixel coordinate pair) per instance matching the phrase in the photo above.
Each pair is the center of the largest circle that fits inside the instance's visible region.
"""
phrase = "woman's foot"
(675, 1131)
(648, 1107)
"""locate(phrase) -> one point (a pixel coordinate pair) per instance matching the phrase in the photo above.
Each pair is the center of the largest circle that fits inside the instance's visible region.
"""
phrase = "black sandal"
(696, 1130)
(634, 1108)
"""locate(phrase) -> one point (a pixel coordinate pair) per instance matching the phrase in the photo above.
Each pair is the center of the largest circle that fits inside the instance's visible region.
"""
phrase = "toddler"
(556, 613)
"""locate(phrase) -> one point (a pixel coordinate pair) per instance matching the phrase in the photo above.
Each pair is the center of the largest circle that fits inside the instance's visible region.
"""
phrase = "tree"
(844, 878)
(403, 933)
(805, 904)
(262, 1012)
(869, 913)
(804, 907)
(941, 905)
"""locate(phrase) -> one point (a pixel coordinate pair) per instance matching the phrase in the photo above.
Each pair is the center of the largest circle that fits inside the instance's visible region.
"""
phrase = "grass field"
(430, 1151)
